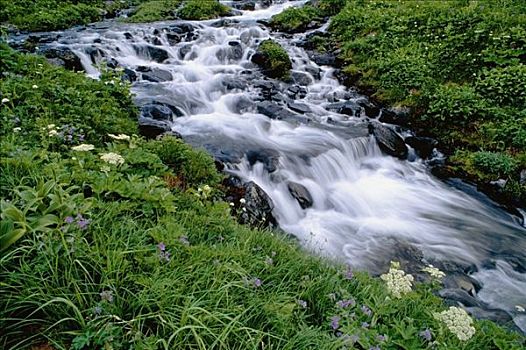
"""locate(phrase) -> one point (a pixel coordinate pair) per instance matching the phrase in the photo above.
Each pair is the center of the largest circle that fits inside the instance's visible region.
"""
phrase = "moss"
(155, 11)
(294, 19)
(202, 9)
(274, 59)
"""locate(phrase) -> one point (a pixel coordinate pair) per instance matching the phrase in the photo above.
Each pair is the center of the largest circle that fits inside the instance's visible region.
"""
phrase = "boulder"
(157, 75)
(395, 115)
(151, 129)
(301, 194)
(301, 78)
(349, 108)
(160, 111)
(423, 146)
(388, 140)
(156, 54)
(244, 5)
(129, 75)
(63, 55)
(299, 107)
(269, 158)
(495, 315)
(324, 59)
(258, 206)
(459, 296)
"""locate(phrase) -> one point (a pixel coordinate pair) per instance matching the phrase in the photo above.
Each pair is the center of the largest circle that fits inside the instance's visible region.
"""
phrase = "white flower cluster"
(119, 137)
(52, 130)
(434, 272)
(204, 192)
(5, 100)
(83, 147)
(457, 321)
(112, 158)
(398, 283)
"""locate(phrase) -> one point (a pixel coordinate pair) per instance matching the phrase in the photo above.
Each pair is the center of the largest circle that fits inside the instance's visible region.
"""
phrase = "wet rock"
(299, 107)
(65, 56)
(459, 296)
(233, 83)
(129, 75)
(258, 206)
(462, 281)
(234, 51)
(324, 59)
(522, 180)
(128, 36)
(301, 78)
(151, 129)
(423, 146)
(160, 111)
(43, 38)
(301, 194)
(242, 105)
(156, 54)
(157, 75)
(180, 32)
(395, 115)
(495, 315)
(296, 92)
(269, 158)
(183, 51)
(348, 108)
(95, 54)
(314, 71)
(273, 111)
(388, 140)
(371, 110)
(244, 5)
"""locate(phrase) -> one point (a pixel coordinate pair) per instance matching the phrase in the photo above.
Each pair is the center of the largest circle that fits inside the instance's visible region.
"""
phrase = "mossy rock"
(203, 9)
(273, 59)
(295, 19)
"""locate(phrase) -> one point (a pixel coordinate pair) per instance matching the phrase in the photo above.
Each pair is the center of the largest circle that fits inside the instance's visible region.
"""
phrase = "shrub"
(496, 163)
(504, 85)
(200, 10)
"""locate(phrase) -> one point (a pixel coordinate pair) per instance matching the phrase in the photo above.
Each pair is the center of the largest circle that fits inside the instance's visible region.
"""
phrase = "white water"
(364, 201)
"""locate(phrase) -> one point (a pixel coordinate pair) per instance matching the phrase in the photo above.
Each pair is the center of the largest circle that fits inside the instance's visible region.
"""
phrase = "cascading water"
(365, 205)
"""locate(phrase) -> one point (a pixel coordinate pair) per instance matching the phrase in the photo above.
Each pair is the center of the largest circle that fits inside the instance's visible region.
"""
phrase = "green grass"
(459, 65)
(202, 9)
(156, 10)
(277, 62)
(82, 265)
(294, 19)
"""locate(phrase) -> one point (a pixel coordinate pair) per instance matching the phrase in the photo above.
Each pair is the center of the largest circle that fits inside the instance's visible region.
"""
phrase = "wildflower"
(434, 272)
(398, 283)
(349, 273)
(335, 322)
(97, 310)
(52, 133)
(106, 295)
(83, 223)
(83, 147)
(519, 308)
(35, 86)
(332, 296)
(119, 137)
(257, 282)
(161, 246)
(112, 158)
(426, 334)
(457, 321)
(345, 303)
(381, 338)
(366, 310)
(302, 303)
(17, 129)
(231, 204)
(69, 220)
(365, 325)
(377, 347)
(242, 201)
(5, 100)
(105, 169)
(184, 240)
(269, 261)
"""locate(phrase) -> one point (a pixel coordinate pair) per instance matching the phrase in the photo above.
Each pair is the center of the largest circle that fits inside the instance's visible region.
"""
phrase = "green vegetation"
(155, 10)
(43, 15)
(460, 66)
(202, 9)
(116, 242)
(274, 59)
(296, 19)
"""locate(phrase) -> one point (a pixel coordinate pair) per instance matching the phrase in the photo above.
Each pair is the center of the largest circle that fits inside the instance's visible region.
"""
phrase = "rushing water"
(364, 202)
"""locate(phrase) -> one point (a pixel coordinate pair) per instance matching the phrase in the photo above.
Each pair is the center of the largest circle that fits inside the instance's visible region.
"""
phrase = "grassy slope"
(460, 65)
(101, 280)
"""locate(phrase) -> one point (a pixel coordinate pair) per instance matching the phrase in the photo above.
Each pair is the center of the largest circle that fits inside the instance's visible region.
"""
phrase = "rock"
(272, 59)
(301, 194)
(43, 38)
(459, 296)
(498, 316)
(324, 59)
(269, 158)
(233, 83)
(244, 5)
(157, 75)
(160, 111)
(70, 60)
(151, 129)
(299, 107)
(258, 206)
(462, 281)
(235, 50)
(423, 146)
(180, 32)
(156, 54)
(129, 75)
(301, 78)
(348, 108)
(388, 140)
(95, 54)
(371, 110)
(522, 180)
(296, 92)
(184, 50)
(395, 115)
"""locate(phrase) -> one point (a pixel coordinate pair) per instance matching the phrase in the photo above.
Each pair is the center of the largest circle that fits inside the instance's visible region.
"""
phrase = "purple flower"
(97, 310)
(302, 303)
(426, 334)
(349, 273)
(69, 220)
(345, 303)
(381, 338)
(335, 322)
(257, 282)
(184, 240)
(365, 325)
(161, 247)
(365, 309)
(375, 348)
(106, 295)
(354, 338)
(83, 224)
(164, 256)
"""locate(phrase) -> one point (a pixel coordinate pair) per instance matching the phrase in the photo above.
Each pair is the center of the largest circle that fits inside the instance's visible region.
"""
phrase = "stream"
(361, 205)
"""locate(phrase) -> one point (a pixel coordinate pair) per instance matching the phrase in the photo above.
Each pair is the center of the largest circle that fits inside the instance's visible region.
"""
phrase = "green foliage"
(202, 9)
(495, 163)
(156, 10)
(294, 19)
(277, 63)
(504, 85)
